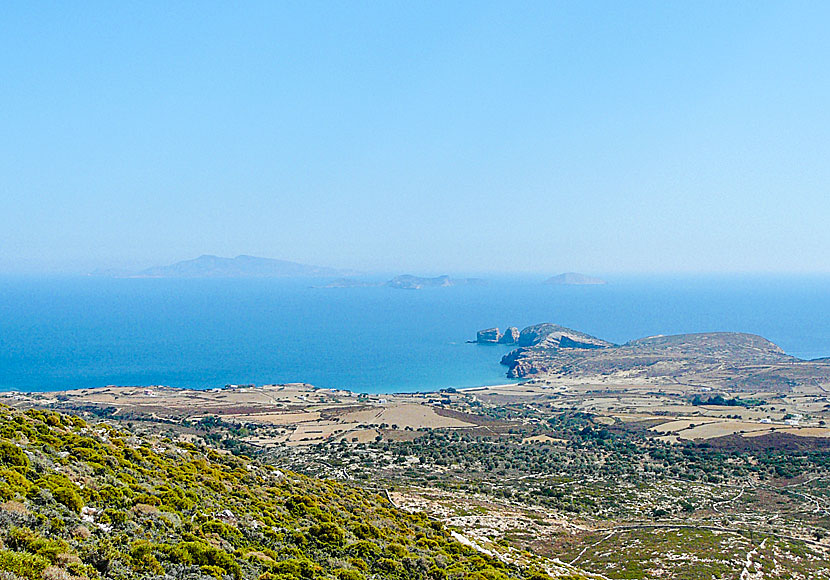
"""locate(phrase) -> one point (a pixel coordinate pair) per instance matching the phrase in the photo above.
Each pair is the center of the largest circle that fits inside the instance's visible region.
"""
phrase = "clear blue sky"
(420, 136)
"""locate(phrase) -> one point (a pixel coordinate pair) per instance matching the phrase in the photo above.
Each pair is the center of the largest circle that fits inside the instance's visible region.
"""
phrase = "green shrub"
(12, 455)
(388, 565)
(68, 497)
(300, 505)
(298, 568)
(365, 550)
(366, 531)
(143, 559)
(25, 539)
(16, 482)
(346, 574)
(29, 566)
(328, 534)
(203, 554)
(396, 551)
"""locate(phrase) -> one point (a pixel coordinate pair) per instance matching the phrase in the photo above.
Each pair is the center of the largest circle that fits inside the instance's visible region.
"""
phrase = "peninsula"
(728, 360)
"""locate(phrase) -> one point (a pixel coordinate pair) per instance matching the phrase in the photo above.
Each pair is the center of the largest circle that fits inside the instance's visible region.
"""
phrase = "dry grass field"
(301, 414)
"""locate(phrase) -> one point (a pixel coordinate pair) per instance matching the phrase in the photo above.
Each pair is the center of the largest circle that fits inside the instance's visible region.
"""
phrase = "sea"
(67, 333)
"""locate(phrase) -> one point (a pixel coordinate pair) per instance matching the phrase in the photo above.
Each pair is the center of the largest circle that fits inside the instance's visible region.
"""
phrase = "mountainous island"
(208, 266)
(574, 279)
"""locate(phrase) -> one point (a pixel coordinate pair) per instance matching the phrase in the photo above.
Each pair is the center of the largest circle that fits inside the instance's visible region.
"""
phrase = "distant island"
(574, 279)
(408, 282)
(208, 266)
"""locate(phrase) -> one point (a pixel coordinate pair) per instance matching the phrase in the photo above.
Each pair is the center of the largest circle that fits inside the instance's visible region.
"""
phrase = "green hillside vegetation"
(93, 501)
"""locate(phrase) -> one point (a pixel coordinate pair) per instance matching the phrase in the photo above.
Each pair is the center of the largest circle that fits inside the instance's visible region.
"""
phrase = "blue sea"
(63, 333)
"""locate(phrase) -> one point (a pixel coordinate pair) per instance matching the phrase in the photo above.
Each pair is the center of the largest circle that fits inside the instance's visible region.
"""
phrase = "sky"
(425, 137)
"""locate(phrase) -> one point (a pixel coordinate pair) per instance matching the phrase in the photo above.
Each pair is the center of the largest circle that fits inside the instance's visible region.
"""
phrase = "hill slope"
(84, 501)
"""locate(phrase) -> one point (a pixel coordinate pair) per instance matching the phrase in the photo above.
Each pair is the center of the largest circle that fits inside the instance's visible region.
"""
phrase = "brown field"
(695, 428)
(405, 415)
(275, 418)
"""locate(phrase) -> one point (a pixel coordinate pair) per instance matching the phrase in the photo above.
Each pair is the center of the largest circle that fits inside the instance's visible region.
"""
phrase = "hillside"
(93, 501)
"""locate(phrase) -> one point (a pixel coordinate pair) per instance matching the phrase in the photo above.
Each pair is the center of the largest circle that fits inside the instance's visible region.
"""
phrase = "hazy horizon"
(427, 138)
(382, 274)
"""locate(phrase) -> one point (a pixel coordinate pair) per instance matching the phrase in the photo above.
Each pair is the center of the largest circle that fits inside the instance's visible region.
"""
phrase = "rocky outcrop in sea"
(510, 336)
(488, 336)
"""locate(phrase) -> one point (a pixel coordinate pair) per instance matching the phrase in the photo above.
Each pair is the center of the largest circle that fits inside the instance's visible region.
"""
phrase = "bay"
(62, 333)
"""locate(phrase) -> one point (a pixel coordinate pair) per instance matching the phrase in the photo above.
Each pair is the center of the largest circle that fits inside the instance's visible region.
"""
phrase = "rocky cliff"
(510, 336)
(549, 335)
(488, 336)
(494, 336)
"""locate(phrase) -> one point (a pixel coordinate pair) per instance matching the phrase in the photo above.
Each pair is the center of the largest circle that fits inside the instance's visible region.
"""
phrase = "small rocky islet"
(494, 336)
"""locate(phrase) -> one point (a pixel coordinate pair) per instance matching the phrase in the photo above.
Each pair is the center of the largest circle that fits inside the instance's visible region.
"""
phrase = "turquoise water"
(71, 333)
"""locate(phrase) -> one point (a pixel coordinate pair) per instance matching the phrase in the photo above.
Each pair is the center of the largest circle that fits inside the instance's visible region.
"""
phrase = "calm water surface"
(71, 333)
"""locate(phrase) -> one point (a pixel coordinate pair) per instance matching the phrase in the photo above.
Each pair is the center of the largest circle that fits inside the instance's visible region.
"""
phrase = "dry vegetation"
(620, 477)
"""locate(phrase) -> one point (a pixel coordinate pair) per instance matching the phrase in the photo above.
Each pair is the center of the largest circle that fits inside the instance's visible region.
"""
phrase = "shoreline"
(5, 392)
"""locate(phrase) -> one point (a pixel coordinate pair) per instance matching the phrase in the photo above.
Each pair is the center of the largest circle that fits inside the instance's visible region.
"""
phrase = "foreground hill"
(728, 359)
(207, 266)
(93, 501)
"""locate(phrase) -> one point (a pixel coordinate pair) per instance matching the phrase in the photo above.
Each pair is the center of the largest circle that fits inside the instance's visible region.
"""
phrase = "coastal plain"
(300, 414)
